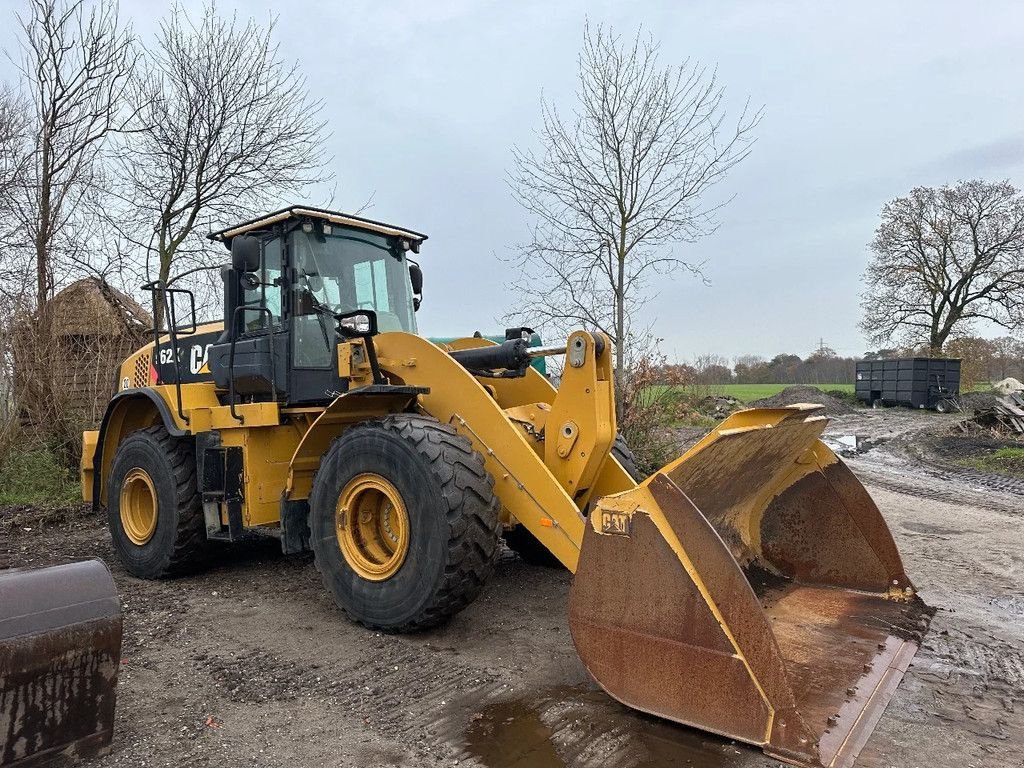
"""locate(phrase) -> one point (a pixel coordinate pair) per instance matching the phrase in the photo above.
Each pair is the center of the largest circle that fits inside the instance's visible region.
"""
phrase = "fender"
(116, 414)
(372, 401)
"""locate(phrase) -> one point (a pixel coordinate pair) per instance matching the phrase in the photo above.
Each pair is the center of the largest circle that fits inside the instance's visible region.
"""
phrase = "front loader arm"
(540, 488)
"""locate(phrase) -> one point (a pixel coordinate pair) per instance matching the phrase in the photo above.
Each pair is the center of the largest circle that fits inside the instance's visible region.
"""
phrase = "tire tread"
(471, 510)
(190, 548)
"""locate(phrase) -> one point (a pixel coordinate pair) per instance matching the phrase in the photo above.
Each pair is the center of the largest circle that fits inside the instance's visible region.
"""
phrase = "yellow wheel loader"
(750, 588)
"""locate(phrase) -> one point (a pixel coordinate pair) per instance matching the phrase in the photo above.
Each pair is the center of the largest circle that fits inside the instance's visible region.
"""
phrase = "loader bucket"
(60, 646)
(750, 588)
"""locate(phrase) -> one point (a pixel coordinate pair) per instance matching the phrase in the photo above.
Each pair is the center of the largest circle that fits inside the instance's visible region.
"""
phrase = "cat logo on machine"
(126, 383)
(615, 523)
(199, 358)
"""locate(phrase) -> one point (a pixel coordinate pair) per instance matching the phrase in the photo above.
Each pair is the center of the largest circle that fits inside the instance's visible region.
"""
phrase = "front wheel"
(153, 507)
(404, 522)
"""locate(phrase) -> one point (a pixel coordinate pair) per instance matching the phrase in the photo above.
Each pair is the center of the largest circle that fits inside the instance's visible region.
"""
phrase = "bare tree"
(1007, 354)
(77, 61)
(14, 161)
(711, 369)
(943, 259)
(225, 127)
(615, 186)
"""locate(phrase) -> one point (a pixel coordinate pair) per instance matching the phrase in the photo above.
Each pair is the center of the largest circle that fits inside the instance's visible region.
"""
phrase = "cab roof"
(299, 212)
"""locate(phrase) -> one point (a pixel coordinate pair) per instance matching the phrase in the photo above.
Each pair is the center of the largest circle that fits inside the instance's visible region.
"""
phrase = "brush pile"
(1004, 415)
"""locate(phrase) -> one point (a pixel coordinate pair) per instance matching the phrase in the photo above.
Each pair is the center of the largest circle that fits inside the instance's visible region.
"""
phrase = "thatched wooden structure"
(66, 358)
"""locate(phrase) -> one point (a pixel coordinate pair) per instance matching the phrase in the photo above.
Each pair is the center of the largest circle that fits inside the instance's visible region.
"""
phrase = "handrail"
(170, 314)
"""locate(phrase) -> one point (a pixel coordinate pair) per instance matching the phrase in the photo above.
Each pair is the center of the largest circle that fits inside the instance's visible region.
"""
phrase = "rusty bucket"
(750, 588)
(60, 647)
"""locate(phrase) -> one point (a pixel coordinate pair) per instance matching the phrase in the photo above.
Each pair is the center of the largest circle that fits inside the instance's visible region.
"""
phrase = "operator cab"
(297, 277)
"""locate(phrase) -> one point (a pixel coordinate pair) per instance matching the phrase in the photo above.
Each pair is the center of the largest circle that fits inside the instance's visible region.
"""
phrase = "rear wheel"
(153, 508)
(529, 548)
(404, 522)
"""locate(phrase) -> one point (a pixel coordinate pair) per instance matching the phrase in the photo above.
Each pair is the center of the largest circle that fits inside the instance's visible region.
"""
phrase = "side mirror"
(416, 278)
(245, 254)
(358, 324)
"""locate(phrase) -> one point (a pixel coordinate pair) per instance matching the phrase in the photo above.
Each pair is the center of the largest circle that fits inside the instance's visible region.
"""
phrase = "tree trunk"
(42, 294)
(620, 341)
(159, 309)
(43, 233)
(936, 341)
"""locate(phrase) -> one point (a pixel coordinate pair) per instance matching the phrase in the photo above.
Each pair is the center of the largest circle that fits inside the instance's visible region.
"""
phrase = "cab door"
(261, 346)
(313, 375)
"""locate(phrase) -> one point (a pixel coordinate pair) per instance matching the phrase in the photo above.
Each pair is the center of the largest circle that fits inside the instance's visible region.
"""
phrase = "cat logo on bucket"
(616, 523)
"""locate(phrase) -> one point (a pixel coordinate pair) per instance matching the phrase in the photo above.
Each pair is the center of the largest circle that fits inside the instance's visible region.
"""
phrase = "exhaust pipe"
(60, 648)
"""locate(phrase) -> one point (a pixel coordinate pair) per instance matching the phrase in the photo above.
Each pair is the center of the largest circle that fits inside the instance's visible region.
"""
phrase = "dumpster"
(915, 382)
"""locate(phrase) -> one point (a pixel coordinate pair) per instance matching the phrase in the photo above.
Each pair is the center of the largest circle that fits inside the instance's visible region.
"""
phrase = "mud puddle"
(576, 727)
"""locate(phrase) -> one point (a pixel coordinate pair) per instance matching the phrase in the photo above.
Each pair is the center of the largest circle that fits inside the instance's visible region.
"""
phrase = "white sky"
(863, 101)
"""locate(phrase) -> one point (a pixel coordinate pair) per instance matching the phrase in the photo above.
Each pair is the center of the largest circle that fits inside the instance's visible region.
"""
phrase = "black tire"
(622, 452)
(452, 516)
(529, 548)
(178, 544)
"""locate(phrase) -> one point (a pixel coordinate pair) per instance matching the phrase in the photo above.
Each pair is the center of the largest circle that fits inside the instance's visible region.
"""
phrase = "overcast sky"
(862, 102)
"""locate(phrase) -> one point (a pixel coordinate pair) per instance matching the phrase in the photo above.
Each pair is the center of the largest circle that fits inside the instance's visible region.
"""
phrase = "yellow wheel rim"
(138, 506)
(372, 526)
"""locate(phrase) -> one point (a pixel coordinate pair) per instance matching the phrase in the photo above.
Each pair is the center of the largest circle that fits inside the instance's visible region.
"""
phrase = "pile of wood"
(1006, 414)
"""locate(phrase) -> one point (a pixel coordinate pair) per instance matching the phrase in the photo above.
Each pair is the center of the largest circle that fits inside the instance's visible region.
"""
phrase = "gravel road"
(251, 664)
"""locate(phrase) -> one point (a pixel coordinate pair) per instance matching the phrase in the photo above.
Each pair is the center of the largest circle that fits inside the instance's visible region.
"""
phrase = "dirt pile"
(718, 406)
(793, 395)
(977, 401)
(1007, 386)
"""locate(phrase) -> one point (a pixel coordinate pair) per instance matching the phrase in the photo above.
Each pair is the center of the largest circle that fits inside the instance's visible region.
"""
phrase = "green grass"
(1008, 453)
(1001, 461)
(748, 392)
(36, 477)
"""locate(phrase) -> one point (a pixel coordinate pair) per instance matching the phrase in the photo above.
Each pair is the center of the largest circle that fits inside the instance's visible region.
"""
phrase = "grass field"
(747, 392)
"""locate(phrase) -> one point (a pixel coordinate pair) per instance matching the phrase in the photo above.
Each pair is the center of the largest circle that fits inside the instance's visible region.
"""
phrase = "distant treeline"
(983, 360)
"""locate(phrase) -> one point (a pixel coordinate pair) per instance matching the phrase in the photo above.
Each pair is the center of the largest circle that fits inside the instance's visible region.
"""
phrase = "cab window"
(268, 293)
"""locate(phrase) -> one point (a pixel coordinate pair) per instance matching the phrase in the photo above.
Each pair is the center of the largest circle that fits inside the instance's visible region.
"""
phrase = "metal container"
(917, 382)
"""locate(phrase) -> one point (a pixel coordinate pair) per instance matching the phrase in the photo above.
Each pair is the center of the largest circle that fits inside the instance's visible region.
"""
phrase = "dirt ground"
(251, 664)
